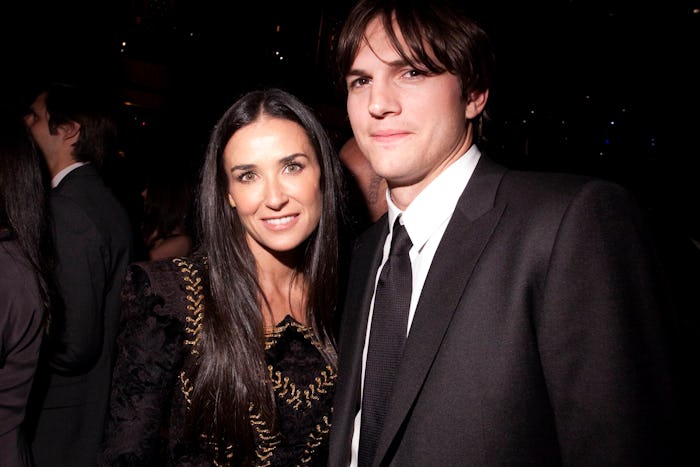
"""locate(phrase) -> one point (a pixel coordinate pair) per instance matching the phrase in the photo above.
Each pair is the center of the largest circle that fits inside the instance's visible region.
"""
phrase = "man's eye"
(358, 82)
(415, 73)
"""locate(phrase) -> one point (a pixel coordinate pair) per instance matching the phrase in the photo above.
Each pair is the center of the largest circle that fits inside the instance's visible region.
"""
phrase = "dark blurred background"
(610, 89)
(604, 88)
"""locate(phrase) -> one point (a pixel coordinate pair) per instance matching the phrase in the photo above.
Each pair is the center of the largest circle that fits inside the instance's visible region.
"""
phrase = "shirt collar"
(60, 175)
(435, 204)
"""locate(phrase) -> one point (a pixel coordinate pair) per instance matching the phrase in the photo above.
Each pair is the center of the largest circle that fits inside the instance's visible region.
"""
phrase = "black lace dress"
(162, 308)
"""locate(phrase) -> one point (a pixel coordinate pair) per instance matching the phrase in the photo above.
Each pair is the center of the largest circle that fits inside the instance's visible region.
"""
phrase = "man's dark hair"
(98, 129)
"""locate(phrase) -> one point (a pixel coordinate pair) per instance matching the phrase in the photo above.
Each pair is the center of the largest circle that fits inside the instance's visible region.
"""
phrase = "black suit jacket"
(94, 242)
(538, 338)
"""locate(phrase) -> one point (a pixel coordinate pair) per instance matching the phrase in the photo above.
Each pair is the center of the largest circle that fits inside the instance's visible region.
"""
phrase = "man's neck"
(58, 163)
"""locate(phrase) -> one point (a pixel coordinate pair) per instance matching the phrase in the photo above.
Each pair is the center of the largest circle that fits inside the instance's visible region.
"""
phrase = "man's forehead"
(378, 41)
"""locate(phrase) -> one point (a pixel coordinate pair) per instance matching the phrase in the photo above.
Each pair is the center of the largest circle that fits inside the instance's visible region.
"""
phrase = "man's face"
(37, 120)
(410, 124)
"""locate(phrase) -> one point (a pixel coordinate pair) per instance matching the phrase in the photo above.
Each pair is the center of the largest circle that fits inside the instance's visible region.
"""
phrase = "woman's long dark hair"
(231, 371)
(24, 213)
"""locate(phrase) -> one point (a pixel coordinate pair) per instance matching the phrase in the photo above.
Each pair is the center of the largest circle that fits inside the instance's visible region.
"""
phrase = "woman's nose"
(275, 195)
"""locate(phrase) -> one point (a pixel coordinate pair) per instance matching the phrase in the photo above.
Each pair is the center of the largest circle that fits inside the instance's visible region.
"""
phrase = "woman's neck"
(284, 294)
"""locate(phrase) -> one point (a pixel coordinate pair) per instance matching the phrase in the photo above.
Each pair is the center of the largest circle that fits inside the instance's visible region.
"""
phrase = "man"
(535, 331)
(93, 241)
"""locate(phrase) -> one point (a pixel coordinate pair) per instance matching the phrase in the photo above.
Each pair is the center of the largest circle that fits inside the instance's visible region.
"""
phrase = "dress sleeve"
(149, 357)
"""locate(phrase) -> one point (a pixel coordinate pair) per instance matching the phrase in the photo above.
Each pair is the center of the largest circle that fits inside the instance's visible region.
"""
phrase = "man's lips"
(388, 136)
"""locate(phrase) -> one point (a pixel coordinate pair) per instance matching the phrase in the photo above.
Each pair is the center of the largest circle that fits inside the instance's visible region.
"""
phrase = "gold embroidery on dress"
(267, 441)
(284, 389)
(195, 299)
(273, 334)
(315, 438)
(296, 397)
(186, 388)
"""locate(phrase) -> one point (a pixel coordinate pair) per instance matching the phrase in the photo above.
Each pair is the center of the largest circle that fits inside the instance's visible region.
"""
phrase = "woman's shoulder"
(168, 286)
(165, 272)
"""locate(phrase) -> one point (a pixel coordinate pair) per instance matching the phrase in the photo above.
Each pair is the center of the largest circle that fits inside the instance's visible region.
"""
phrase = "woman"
(228, 357)
(26, 288)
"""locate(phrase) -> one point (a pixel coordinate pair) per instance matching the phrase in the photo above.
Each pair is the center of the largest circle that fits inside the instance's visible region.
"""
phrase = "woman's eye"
(246, 177)
(294, 167)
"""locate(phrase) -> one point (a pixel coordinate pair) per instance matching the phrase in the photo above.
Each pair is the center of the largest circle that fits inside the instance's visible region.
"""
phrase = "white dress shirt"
(425, 219)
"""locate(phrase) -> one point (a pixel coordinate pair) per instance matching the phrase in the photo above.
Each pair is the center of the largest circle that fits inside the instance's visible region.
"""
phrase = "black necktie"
(387, 336)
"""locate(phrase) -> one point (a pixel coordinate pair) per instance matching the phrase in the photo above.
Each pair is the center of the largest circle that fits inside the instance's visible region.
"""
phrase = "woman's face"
(274, 182)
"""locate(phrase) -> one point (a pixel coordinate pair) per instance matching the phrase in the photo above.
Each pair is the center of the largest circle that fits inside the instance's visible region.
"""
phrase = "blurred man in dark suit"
(93, 240)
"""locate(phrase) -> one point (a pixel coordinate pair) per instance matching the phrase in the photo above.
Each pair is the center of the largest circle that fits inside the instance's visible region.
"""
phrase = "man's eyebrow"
(398, 63)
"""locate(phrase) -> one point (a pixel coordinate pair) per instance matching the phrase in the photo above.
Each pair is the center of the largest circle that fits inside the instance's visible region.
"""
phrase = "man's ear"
(476, 104)
(70, 131)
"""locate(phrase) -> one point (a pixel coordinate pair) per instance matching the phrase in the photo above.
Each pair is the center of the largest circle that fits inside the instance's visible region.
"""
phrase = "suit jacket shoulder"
(82, 196)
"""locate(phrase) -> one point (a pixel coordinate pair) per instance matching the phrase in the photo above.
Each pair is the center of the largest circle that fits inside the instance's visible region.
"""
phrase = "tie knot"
(400, 241)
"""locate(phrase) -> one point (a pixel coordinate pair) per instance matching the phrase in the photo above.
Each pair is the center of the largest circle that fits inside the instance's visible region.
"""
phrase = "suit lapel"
(468, 232)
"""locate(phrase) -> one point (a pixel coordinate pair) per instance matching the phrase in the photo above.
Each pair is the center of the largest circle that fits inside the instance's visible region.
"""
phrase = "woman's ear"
(231, 202)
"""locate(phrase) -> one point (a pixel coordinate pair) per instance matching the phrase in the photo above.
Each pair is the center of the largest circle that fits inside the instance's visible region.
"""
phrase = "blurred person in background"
(75, 130)
(167, 225)
(27, 290)
(371, 186)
